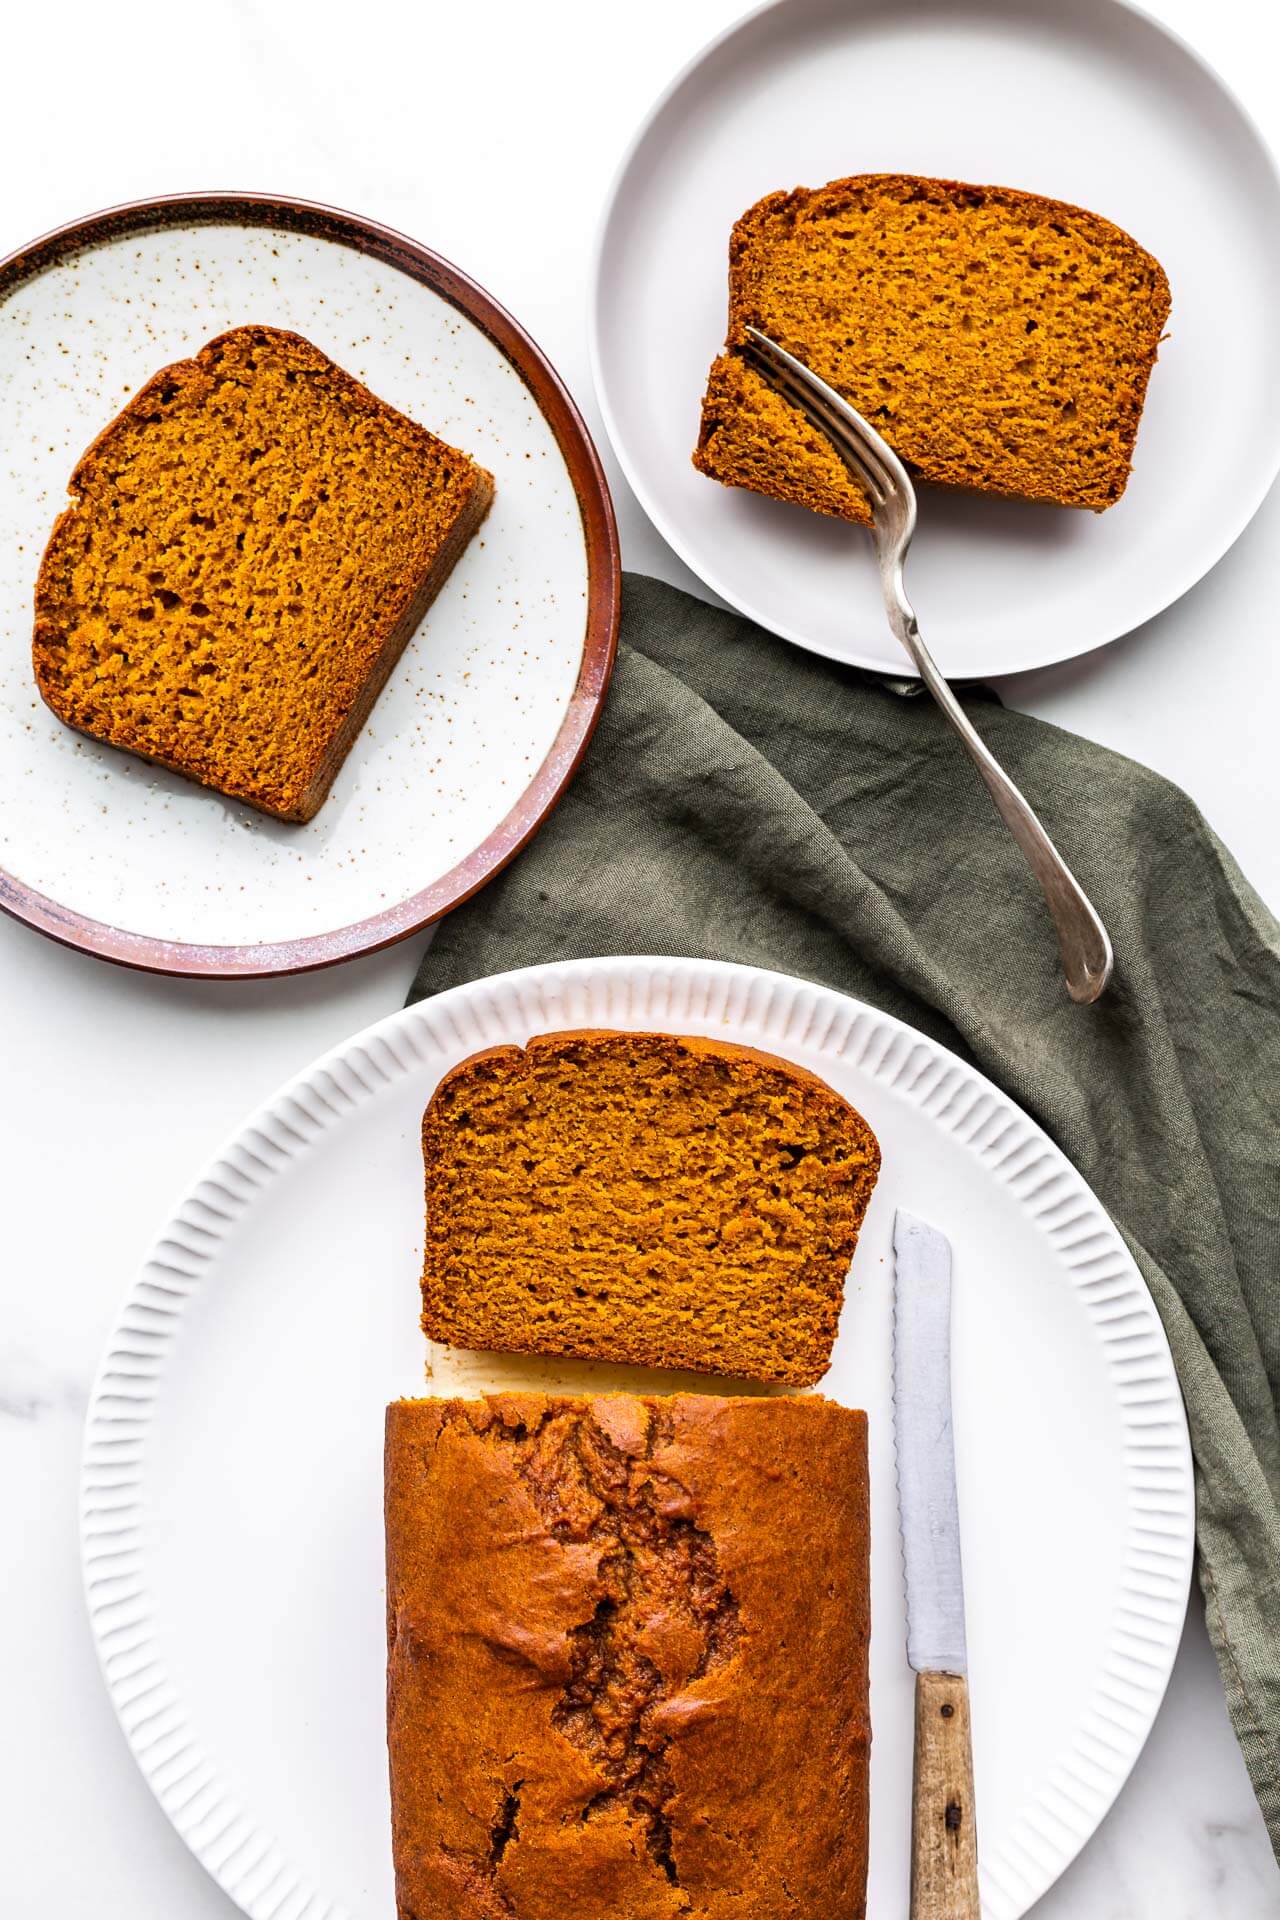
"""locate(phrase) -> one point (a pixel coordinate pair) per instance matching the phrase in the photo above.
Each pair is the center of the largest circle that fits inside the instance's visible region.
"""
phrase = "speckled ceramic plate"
(232, 1512)
(492, 704)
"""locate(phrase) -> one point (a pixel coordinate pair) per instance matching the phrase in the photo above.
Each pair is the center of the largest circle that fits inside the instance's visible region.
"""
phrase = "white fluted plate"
(232, 1525)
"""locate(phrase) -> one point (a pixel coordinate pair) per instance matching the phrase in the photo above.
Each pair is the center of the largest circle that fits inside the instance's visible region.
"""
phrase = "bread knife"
(944, 1852)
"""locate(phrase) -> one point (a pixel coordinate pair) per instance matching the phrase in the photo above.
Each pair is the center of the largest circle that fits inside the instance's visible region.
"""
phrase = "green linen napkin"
(743, 800)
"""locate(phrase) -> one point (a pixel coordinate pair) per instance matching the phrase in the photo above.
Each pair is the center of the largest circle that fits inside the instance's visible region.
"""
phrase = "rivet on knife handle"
(944, 1841)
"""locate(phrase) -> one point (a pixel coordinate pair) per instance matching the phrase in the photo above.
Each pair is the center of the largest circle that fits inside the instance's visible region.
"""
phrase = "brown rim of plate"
(604, 585)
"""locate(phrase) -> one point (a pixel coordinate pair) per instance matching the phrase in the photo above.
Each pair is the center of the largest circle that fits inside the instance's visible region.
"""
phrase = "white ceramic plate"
(232, 1527)
(491, 705)
(1088, 101)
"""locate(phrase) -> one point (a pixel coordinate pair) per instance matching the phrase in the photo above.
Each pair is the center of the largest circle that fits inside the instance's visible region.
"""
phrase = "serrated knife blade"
(928, 1509)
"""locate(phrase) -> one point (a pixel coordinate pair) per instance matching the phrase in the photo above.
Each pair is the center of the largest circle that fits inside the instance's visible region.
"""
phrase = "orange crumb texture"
(1000, 341)
(645, 1198)
(249, 547)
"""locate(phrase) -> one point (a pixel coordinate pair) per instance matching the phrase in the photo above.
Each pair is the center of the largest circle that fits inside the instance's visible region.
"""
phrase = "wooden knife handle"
(944, 1839)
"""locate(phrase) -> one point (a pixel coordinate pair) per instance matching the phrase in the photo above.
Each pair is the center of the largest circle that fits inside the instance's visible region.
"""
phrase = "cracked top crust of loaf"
(1000, 341)
(251, 544)
(628, 1658)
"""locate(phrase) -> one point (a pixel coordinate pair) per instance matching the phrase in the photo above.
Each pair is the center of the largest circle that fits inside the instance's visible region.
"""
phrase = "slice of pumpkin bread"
(250, 545)
(646, 1198)
(999, 341)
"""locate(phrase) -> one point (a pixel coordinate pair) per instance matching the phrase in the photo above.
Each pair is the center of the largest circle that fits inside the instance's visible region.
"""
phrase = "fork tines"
(862, 449)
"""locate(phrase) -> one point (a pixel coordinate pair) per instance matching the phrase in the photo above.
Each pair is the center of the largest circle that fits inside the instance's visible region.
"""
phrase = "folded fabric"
(743, 800)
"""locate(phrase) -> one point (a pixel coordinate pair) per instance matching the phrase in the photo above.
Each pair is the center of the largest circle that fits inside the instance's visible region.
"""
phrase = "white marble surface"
(490, 133)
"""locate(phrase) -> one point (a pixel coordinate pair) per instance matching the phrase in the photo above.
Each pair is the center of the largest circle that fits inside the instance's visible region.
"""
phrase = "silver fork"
(1082, 938)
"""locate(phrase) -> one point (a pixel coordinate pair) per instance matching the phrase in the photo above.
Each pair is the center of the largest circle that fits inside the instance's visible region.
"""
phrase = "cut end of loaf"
(1000, 341)
(643, 1198)
(250, 545)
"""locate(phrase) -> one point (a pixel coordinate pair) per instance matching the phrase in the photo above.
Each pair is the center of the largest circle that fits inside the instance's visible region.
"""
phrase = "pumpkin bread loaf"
(250, 546)
(999, 341)
(627, 1669)
(642, 1197)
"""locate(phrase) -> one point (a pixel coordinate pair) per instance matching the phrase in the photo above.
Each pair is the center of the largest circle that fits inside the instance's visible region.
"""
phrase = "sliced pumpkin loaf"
(646, 1198)
(627, 1657)
(250, 545)
(999, 341)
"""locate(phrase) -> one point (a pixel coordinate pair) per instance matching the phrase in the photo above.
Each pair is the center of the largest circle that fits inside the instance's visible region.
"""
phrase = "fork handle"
(1082, 938)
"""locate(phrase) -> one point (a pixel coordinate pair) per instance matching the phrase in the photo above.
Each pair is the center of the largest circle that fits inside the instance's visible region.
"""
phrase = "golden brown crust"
(254, 539)
(646, 1198)
(618, 1681)
(1001, 341)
